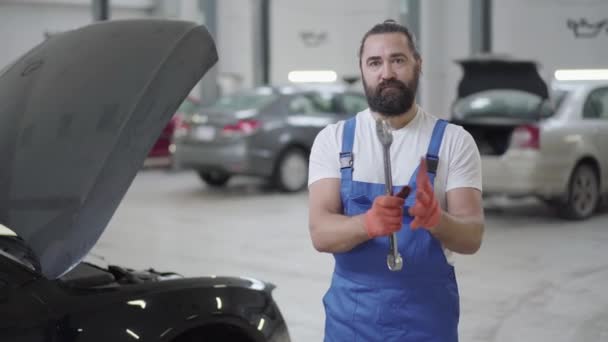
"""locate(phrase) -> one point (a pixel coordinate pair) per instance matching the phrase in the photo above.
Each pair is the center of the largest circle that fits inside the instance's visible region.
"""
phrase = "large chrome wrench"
(385, 135)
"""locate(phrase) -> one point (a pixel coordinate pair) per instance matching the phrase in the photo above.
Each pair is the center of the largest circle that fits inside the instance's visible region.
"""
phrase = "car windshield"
(243, 101)
(188, 107)
(557, 98)
(505, 103)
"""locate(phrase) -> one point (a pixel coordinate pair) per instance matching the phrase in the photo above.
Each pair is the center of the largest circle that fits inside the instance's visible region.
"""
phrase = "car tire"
(291, 171)
(214, 178)
(583, 194)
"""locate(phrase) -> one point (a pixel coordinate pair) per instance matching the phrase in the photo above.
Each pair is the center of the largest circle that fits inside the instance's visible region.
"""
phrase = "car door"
(595, 112)
(24, 317)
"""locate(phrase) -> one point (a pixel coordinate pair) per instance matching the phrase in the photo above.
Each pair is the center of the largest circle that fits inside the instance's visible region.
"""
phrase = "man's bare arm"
(330, 230)
(461, 228)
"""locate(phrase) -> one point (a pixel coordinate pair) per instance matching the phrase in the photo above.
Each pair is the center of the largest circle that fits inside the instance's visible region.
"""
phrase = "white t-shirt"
(459, 160)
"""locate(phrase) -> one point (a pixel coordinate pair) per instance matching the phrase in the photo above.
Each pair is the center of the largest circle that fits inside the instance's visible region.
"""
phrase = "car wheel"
(214, 178)
(291, 173)
(583, 194)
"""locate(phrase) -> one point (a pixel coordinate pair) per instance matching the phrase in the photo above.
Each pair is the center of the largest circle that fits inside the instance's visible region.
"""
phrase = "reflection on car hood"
(78, 115)
(493, 73)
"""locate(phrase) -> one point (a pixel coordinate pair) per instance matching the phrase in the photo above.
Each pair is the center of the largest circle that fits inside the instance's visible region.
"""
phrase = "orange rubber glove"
(386, 214)
(426, 210)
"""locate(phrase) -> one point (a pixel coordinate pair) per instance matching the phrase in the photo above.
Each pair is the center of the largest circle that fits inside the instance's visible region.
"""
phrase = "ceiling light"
(581, 74)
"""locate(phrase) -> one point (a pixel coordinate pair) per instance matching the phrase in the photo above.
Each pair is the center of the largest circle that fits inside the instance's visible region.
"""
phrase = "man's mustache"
(391, 84)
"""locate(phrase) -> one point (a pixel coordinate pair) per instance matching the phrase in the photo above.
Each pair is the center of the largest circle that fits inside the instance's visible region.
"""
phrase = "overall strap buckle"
(346, 160)
(432, 155)
(432, 162)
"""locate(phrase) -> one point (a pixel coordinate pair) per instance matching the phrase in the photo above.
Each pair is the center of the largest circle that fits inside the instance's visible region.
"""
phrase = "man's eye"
(399, 60)
(374, 63)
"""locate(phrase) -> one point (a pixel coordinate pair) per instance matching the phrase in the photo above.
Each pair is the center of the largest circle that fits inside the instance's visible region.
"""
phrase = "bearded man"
(435, 208)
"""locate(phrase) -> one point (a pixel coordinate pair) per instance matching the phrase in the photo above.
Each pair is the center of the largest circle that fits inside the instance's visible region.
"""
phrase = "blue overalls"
(368, 302)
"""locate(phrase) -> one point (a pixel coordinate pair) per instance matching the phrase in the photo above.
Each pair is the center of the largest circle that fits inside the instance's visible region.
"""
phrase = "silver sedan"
(549, 143)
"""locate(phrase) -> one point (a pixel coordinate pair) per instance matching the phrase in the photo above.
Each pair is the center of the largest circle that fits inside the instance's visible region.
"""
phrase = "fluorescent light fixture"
(581, 74)
(134, 335)
(264, 91)
(199, 119)
(261, 324)
(5, 231)
(255, 284)
(312, 76)
(246, 113)
(480, 103)
(166, 332)
(138, 302)
(218, 300)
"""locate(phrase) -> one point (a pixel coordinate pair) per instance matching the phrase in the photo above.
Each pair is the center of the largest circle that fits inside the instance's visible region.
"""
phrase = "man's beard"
(395, 101)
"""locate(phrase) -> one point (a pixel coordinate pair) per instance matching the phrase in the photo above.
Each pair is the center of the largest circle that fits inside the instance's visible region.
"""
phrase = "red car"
(160, 154)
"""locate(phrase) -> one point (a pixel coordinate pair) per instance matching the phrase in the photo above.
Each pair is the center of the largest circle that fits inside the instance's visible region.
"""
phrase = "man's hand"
(426, 210)
(386, 215)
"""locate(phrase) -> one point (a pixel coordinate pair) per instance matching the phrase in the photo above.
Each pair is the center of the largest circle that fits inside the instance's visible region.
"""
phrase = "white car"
(549, 143)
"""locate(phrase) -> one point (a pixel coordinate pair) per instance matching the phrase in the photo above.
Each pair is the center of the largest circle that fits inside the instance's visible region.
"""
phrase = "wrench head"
(394, 264)
(384, 131)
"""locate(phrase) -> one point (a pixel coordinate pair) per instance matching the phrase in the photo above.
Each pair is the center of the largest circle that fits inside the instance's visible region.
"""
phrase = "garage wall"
(235, 30)
(557, 33)
(444, 38)
(23, 24)
(321, 34)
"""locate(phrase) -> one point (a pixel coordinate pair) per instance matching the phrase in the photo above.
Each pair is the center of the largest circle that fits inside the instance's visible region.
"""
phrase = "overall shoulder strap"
(346, 156)
(432, 154)
(348, 137)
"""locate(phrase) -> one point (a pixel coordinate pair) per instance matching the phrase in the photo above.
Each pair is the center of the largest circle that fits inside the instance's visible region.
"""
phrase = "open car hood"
(78, 115)
(486, 73)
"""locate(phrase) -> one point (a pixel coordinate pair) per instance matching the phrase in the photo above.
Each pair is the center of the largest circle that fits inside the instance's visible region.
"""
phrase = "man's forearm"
(336, 233)
(459, 234)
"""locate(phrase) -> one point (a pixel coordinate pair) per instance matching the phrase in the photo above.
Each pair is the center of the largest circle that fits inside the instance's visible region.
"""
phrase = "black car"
(78, 115)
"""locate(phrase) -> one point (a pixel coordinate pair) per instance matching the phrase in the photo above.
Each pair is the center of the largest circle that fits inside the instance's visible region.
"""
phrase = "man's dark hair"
(391, 26)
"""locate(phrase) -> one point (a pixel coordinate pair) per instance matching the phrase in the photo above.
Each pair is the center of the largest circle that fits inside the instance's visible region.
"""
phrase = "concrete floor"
(536, 278)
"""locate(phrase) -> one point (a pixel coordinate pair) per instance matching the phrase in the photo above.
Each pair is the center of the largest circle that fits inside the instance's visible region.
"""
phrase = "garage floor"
(536, 278)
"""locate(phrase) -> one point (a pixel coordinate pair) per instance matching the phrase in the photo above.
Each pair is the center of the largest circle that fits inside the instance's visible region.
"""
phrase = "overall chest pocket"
(358, 204)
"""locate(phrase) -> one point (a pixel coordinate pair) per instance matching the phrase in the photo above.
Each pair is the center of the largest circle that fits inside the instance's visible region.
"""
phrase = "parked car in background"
(265, 132)
(87, 121)
(161, 153)
(549, 142)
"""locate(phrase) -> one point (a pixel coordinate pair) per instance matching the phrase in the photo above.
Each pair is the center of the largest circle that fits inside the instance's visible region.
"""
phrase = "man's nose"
(387, 71)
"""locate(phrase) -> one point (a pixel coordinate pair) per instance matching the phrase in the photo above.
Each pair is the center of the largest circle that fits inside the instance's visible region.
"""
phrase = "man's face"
(390, 73)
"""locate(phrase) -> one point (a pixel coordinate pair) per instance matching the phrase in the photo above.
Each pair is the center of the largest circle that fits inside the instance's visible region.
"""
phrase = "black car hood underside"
(487, 74)
(78, 115)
